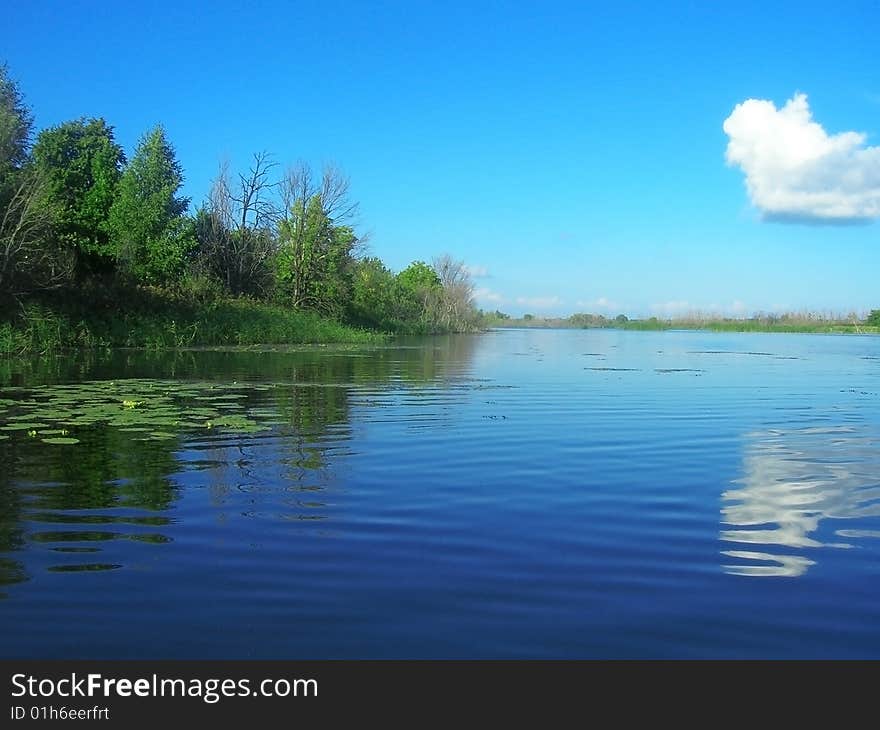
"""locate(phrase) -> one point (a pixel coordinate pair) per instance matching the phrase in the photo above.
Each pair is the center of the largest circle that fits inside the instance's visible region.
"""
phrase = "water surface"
(520, 493)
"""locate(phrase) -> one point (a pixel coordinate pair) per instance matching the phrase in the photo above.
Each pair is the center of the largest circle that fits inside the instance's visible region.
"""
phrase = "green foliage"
(81, 163)
(586, 321)
(150, 234)
(314, 265)
(873, 318)
(16, 123)
(160, 319)
(373, 301)
(383, 301)
(494, 319)
(419, 278)
(146, 275)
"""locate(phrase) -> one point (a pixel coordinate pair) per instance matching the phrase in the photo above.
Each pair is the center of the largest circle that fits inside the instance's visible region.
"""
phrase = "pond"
(512, 494)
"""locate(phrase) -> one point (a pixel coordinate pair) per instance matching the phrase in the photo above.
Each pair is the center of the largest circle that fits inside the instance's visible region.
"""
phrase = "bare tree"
(238, 227)
(453, 310)
(28, 259)
(254, 200)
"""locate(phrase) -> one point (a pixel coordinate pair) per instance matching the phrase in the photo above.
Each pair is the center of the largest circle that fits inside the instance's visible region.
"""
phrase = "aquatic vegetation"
(147, 409)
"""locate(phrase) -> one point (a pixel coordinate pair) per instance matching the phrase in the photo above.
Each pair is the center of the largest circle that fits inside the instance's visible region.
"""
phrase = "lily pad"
(61, 440)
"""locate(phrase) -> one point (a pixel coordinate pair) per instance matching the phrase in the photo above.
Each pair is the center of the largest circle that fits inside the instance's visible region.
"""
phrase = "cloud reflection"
(792, 481)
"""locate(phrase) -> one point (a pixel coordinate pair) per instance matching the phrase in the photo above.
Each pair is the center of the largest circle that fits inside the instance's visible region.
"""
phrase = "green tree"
(374, 299)
(316, 243)
(419, 277)
(150, 233)
(16, 123)
(81, 163)
(420, 291)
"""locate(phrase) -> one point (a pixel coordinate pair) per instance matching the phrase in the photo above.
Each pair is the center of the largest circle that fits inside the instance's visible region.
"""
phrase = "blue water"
(514, 494)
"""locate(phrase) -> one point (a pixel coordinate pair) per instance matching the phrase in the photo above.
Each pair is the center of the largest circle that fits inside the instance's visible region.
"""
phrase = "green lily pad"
(61, 440)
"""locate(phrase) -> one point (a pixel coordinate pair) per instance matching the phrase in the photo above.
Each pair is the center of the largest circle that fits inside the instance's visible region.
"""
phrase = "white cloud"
(477, 272)
(539, 302)
(679, 308)
(600, 303)
(672, 309)
(795, 170)
(485, 294)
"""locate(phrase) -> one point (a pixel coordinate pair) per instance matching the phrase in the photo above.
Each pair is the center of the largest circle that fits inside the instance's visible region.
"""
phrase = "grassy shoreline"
(721, 325)
(158, 320)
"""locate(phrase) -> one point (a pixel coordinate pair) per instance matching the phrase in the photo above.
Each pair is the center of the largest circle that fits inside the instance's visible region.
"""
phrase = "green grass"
(754, 325)
(153, 319)
(784, 323)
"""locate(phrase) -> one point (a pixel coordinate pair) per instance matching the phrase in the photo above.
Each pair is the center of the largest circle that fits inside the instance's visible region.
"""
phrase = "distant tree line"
(77, 212)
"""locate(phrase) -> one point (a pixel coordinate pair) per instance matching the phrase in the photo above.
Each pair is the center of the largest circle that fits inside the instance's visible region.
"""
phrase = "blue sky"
(572, 153)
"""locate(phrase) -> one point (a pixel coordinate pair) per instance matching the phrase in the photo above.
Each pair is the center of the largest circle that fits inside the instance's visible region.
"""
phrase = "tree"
(151, 235)
(80, 163)
(421, 290)
(454, 311)
(317, 242)
(374, 301)
(236, 228)
(29, 259)
(419, 277)
(16, 123)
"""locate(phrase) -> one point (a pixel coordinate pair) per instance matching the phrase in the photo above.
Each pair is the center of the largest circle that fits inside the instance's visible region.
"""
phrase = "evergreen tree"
(150, 234)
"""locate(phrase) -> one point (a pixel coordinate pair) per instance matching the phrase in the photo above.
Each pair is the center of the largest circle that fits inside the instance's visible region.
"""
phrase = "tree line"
(76, 213)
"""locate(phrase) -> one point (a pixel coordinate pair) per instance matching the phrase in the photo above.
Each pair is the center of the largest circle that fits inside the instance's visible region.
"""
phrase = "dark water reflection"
(518, 493)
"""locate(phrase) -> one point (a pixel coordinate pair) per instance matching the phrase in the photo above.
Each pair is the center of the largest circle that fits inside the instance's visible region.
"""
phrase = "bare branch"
(28, 258)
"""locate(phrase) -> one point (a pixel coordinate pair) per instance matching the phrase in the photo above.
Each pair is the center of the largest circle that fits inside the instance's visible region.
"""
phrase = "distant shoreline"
(782, 326)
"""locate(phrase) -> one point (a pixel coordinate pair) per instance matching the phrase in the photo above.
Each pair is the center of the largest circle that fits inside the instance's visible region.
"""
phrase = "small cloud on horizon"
(539, 302)
(477, 272)
(672, 308)
(600, 303)
(484, 294)
(681, 307)
(795, 171)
